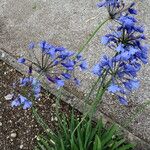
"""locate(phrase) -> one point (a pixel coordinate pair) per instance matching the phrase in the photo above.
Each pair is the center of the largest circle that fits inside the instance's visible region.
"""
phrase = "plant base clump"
(88, 136)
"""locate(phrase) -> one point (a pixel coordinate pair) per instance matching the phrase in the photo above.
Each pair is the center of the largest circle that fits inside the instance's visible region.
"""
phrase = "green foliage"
(88, 136)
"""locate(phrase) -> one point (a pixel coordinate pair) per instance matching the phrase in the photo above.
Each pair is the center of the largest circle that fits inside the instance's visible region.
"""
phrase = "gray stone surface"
(68, 23)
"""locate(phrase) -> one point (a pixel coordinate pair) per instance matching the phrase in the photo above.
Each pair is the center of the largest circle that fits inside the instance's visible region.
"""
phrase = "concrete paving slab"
(68, 23)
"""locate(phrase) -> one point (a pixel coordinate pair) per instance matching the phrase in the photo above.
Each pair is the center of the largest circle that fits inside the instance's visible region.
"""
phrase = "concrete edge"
(73, 100)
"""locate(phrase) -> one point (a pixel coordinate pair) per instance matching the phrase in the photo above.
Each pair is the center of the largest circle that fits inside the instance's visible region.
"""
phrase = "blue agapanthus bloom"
(27, 89)
(129, 54)
(57, 63)
(116, 8)
(21, 60)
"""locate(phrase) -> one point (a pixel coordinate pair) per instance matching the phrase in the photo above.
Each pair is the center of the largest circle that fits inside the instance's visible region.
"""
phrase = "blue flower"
(104, 40)
(43, 45)
(129, 52)
(116, 8)
(69, 64)
(108, 3)
(65, 54)
(21, 60)
(132, 84)
(77, 81)
(59, 82)
(120, 48)
(56, 62)
(50, 78)
(101, 4)
(83, 65)
(106, 62)
(97, 70)
(132, 50)
(15, 102)
(21, 101)
(29, 87)
(125, 56)
(132, 11)
(79, 57)
(27, 104)
(128, 22)
(113, 88)
(122, 100)
(52, 52)
(130, 70)
(30, 69)
(60, 48)
(24, 81)
(66, 75)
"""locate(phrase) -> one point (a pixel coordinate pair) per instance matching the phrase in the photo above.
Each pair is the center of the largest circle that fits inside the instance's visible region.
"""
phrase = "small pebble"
(54, 105)
(21, 146)
(9, 96)
(10, 121)
(1, 124)
(54, 119)
(3, 55)
(48, 130)
(13, 135)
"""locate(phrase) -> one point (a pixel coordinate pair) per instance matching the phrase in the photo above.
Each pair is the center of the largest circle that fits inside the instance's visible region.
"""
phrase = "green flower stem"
(91, 36)
(58, 98)
(101, 78)
(36, 115)
(99, 96)
(91, 91)
(30, 55)
(47, 57)
(86, 114)
(92, 109)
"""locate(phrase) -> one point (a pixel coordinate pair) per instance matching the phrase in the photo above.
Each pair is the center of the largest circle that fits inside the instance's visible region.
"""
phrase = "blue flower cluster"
(126, 42)
(116, 8)
(29, 88)
(57, 63)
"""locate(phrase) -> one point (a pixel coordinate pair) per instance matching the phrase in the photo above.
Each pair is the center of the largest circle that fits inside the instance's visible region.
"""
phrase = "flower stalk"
(87, 41)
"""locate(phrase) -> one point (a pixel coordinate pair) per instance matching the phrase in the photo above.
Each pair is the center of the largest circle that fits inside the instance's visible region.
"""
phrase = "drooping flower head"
(129, 52)
(56, 63)
(25, 91)
(126, 40)
(116, 8)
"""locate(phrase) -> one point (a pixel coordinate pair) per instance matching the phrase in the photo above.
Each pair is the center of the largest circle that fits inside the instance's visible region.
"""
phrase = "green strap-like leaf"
(117, 144)
(97, 143)
(126, 147)
(62, 144)
(108, 135)
(41, 146)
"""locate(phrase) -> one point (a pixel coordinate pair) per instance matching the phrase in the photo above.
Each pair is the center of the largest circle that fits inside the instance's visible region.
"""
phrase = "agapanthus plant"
(117, 74)
(57, 63)
(129, 53)
(116, 8)
(25, 91)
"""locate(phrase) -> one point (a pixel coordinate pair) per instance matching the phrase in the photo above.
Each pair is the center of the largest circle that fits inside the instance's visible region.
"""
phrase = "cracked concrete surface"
(68, 23)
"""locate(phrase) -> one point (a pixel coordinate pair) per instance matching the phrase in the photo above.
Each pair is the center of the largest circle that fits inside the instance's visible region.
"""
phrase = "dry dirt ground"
(18, 128)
